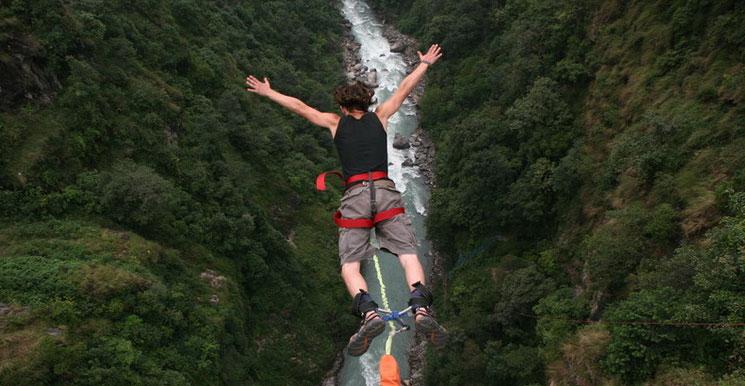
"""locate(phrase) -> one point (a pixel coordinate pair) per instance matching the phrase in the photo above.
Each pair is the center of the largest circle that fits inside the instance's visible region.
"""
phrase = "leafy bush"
(135, 195)
(36, 279)
(557, 314)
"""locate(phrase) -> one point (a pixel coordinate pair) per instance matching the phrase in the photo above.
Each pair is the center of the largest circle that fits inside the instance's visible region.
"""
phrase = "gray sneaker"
(372, 326)
(428, 326)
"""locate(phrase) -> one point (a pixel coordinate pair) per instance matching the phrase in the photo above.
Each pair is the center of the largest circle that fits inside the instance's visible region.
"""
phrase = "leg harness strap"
(342, 222)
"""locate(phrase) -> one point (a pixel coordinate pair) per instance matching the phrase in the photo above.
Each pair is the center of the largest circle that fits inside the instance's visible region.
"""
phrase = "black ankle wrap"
(362, 304)
(421, 296)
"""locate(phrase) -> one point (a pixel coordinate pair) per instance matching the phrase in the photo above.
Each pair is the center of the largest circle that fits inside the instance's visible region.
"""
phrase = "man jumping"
(370, 199)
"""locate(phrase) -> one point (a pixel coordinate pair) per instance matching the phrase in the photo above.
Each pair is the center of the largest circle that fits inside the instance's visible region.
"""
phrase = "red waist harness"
(367, 222)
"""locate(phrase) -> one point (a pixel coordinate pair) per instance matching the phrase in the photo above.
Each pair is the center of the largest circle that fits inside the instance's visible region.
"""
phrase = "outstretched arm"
(390, 106)
(327, 120)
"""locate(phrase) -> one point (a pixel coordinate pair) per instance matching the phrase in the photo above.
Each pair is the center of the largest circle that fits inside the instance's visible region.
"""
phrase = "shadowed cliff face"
(23, 74)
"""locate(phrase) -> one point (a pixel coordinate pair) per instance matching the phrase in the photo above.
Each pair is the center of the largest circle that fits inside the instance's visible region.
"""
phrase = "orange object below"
(389, 373)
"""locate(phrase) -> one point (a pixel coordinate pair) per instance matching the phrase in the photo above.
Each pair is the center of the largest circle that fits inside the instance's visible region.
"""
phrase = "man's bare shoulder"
(382, 118)
(333, 120)
(333, 123)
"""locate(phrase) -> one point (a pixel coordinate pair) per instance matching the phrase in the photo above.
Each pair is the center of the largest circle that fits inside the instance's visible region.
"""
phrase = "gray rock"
(372, 77)
(371, 80)
(331, 375)
(398, 46)
(400, 142)
(407, 163)
(54, 331)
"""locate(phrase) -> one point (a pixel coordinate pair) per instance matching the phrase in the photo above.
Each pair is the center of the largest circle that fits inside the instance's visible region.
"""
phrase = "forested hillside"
(590, 196)
(157, 224)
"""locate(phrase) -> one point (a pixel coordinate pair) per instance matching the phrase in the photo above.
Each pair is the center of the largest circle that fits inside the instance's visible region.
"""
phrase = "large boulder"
(371, 80)
(398, 46)
(400, 142)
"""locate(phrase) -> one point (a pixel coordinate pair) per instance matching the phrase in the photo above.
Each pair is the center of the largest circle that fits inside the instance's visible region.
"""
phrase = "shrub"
(556, 315)
(35, 279)
(135, 195)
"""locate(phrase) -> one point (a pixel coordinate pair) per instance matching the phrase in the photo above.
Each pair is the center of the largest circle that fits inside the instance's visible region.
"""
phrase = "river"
(375, 54)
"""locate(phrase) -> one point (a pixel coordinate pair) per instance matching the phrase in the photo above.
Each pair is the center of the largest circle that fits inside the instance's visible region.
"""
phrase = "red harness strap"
(321, 178)
(342, 222)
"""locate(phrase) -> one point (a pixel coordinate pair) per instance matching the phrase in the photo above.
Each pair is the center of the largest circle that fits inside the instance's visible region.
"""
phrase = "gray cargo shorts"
(395, 235)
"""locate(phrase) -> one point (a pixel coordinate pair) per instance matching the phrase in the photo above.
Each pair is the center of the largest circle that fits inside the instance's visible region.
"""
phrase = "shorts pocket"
(388, 198)
(350, 194)
(397, 236)
(388, 188)
(355, 204)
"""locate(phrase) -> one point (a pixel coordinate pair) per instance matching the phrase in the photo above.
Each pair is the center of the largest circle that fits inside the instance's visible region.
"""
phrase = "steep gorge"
(158, 226)
(590, 171)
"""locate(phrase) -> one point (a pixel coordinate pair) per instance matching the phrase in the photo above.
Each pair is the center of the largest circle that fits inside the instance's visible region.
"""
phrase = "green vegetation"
(157, 224)
(607, 137)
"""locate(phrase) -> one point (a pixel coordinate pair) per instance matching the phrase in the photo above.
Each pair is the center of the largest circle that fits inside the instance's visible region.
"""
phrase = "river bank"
(425, 161)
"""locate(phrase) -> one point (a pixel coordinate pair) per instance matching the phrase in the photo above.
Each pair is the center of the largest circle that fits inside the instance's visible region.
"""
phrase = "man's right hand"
(257, 86)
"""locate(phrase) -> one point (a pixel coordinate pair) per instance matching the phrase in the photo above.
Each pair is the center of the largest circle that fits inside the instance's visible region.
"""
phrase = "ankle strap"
(362, 304)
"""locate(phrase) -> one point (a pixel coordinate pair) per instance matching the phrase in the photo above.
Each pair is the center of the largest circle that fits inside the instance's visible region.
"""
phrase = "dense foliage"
(158, 224)
(589, 168)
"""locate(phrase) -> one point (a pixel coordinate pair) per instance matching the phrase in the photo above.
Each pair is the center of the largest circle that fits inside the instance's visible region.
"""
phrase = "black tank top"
(361, 144)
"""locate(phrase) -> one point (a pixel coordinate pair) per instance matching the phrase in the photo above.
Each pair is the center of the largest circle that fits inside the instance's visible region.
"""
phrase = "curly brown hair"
(355, 96)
